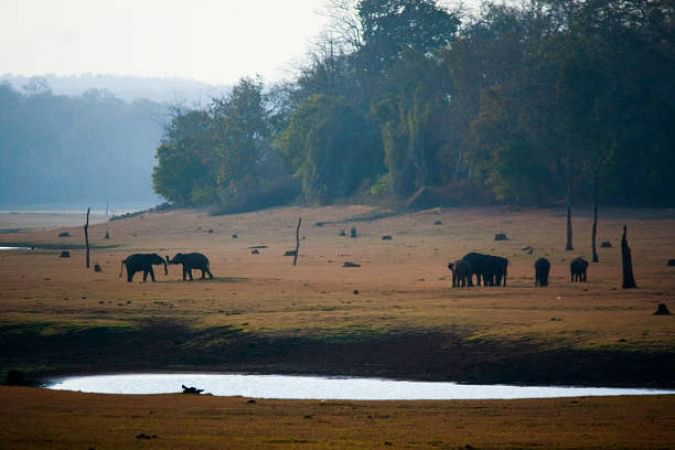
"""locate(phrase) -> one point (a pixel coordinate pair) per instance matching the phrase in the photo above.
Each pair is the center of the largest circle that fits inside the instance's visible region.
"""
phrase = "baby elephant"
(542, 267)
(578, 269)
(192, 261)
(461, 273)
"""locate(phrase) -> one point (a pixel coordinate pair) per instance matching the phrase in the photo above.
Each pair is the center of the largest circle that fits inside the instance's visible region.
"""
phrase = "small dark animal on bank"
(662, 310)
(142, 262)
(192, 261)
(191, 390)
(578, 270)
(542, 267)
(461, 273)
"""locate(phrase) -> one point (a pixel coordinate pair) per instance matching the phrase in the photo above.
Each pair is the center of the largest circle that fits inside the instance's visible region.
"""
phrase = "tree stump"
(662, 310)
(64, 254)
(501, 237)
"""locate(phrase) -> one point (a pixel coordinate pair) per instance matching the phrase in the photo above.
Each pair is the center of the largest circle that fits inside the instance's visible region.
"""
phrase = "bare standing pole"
(297, 242)
(86, 235)
(627, 263)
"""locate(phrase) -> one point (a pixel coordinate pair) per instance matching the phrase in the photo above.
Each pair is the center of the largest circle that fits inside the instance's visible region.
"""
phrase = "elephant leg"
(184, 273)
(152, 274)
(189, 271)
(203, 274)
(130, 275)
(209, 273)
(145, 275)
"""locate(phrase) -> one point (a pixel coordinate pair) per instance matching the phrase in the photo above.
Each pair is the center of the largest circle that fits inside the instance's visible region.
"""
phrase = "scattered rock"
(308, 416)
(350, 264)
(191, 390)
(622, 340)
(662, 310)
(210, 231)
(353, 233)
(356, 292)
(671, 263)
(64, 254)
(97, 268)
(387, 237)
(290, 253)
(501, 237)
(556, 319)
(528, 249)
(235, 236)
(255, 252)
(64, 234)
(251, 402)
(145, 436)
(605, 244)
(343, 233)
(438, 222)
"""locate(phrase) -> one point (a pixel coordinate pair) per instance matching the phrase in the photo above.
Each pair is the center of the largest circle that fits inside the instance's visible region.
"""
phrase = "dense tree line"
(60, 149)
(535, 104)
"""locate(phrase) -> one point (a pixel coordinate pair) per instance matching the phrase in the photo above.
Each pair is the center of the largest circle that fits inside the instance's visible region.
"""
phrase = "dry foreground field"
(395, 316)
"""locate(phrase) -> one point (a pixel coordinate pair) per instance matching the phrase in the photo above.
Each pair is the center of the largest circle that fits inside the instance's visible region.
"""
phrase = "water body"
(15, 248)
(322, 388)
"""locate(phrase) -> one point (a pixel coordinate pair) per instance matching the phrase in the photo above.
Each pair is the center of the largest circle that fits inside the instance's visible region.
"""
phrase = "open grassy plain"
(395, 316)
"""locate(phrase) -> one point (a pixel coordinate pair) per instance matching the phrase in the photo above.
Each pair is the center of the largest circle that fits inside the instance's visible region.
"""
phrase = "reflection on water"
(15, 248)
(307, 387)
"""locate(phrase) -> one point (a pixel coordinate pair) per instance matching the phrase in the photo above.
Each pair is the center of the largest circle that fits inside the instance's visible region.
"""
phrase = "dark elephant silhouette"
(461, 273)
(142, 262)
(542, 267)
(579, 270)
(475, 261)
(498, 267)
(492, 270)
(192, 261)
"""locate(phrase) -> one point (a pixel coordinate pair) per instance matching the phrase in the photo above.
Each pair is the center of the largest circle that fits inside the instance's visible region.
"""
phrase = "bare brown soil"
(36, 419)
(394, 316)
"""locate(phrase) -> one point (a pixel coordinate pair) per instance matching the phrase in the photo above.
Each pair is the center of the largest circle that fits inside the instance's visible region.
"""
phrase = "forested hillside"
(93, 147)
(522, 105)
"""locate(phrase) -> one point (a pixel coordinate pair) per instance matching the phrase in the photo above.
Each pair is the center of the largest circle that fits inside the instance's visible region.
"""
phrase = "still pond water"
(309, 387)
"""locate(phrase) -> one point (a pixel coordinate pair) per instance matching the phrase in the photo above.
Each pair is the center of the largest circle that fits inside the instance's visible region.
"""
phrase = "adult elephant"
(461, 273)
(475, 261)
(542, 267)
(192, 261)
(579, 270)
(494, 270)
(142, 262)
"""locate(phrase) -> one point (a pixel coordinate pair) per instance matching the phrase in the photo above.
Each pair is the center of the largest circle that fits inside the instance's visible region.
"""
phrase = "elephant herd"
(143, 262)
(492, 270)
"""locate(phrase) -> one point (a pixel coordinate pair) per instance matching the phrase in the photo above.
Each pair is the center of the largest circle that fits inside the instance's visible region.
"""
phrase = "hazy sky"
(216, 41)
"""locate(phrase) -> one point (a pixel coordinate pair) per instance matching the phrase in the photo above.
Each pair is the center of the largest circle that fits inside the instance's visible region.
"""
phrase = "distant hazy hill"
(165, 90)
(92, 147)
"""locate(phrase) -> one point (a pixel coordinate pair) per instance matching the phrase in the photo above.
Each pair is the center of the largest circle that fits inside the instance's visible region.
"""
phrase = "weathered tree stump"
(290, 253)
(387, 237)
(662, 310)
(438, 222)
(64, 254)
(97, 267)
(605, 244)
(353, 233)
(64, 234)
(255, 252)
(627, 263)
(343, 233)
(501, 237)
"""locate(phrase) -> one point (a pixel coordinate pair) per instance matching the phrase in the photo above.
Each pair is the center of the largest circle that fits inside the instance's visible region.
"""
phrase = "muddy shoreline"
(421, 356)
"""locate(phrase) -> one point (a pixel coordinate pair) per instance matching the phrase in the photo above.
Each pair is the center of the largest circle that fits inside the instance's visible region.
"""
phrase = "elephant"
(475, 261)
(142, 262)
(579, 269)
(461, 273)
(494, 270)
(542, 267)
(192, 261)
(491, 269)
